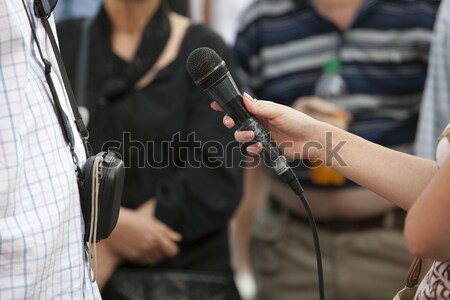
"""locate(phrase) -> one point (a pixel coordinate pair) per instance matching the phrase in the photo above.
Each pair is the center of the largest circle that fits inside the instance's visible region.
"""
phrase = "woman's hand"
(140, 237)
(298, 135)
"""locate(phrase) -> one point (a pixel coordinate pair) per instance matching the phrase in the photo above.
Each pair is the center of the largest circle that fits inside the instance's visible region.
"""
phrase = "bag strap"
(84, 133)
(62, 116)
(412, 279)
(82, 62)
(445, 134)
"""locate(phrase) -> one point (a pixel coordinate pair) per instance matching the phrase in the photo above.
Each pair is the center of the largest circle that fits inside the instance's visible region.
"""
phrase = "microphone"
(210, 73)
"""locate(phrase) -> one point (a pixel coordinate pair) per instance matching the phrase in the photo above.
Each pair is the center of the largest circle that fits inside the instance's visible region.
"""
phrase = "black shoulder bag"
(100, 180)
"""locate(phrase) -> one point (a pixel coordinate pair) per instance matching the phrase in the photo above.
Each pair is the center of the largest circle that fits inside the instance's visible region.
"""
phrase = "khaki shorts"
(362, 265)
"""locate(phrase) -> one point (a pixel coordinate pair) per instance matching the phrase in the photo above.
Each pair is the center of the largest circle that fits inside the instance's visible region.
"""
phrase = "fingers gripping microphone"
(210, 73)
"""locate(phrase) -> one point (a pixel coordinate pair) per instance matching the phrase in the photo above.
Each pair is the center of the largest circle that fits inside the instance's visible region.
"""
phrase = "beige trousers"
(359, 265)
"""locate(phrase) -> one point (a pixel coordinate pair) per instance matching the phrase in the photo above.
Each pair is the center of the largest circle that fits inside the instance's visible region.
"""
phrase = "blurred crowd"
(226, 232)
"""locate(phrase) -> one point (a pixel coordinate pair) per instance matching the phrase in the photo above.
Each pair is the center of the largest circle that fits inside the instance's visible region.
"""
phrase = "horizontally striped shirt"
(283, 44)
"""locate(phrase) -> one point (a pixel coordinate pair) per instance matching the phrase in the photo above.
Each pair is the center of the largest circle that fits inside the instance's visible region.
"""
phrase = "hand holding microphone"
(210, 73)
(282, 122)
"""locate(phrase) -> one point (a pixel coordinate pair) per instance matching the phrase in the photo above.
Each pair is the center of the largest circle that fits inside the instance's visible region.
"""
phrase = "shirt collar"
(366, 8)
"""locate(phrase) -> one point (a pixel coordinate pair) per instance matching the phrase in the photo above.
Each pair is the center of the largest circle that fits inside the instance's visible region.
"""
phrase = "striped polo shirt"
(282, 45)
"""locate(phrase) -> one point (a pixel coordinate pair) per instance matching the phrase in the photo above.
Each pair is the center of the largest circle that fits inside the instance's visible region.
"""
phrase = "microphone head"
(205, 67)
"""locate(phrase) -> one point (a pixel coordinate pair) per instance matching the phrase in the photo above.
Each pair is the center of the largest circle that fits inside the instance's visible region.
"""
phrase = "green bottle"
(329, 86)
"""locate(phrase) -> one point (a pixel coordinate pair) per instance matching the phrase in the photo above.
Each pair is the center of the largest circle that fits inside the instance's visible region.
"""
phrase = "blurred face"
(129, 1)
(340, 12)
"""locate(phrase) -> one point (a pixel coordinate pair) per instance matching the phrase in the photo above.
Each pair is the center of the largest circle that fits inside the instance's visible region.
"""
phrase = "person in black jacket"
(178, 196)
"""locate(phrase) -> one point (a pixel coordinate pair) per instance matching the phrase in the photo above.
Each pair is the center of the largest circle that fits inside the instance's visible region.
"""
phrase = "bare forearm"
(255, 192)
(207, 11)
(107, 262)
(427, 223)
(397, 177)
(393, 175)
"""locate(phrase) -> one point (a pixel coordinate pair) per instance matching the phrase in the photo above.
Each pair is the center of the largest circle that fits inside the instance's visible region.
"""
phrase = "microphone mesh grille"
(202, 61)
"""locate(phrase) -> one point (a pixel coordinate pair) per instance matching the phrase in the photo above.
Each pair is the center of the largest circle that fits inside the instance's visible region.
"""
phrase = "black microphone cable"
(210, 73)
(296, 187)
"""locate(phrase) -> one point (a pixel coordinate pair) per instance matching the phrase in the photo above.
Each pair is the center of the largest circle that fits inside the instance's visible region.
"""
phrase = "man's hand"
(324, 111)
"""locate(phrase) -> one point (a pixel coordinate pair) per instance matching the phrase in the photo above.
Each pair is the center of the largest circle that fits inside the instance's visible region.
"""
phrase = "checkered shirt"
(435, 109)
(41, 242)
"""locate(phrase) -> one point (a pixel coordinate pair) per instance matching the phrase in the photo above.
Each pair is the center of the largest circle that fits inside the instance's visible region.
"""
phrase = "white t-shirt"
(225, 16)
(443, 148)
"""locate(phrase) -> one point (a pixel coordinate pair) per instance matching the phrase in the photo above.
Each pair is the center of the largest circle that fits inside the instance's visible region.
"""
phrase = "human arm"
(207, 6)
(395, 176)
(428, 221)
(256, 190)
(323, 110)
(426, 227)
(346, 201)
(138, 237)
(107, 263)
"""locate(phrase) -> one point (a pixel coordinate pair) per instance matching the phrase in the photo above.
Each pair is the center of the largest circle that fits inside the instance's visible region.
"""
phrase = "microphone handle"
(236, 110)
(246, 121)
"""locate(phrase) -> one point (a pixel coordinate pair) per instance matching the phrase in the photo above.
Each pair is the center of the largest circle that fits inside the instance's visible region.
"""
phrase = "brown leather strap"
(414, 272)
(445, 134)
